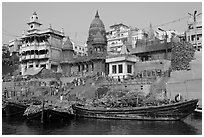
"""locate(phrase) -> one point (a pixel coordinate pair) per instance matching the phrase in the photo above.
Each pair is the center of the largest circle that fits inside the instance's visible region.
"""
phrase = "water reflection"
(88, 126)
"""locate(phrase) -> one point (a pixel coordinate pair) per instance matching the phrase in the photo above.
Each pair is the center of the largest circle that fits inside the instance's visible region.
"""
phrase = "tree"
(182, 54)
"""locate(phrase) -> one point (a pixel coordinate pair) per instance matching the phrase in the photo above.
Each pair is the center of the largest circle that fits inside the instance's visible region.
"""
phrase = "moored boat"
(14, 109)
(47, 114)
(172, 111)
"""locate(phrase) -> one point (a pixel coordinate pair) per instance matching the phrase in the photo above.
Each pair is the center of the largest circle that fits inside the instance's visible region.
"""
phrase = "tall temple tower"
(96, 31)
(67, 56)
(97, 44)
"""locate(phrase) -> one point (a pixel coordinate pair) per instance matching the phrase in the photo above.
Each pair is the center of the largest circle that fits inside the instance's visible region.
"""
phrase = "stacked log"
(182, 54)
(33, 109)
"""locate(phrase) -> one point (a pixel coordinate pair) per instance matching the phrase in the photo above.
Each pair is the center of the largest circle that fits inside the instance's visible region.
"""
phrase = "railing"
(25, 57)
(120, 55)
(43, 56)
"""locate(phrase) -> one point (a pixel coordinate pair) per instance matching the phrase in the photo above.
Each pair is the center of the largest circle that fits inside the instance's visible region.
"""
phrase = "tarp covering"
(32, 71)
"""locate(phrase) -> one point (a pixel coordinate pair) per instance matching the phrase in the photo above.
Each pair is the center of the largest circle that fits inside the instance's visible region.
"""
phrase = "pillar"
(110, 68)
(34, 64)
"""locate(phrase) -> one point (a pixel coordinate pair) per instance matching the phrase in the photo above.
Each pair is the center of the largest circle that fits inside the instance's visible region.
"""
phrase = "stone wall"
(99, 66)
(152, 65)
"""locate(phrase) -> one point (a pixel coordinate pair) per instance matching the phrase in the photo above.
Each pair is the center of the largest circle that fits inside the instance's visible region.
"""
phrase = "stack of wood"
(119, 99)
(182, 54)
(33, 109)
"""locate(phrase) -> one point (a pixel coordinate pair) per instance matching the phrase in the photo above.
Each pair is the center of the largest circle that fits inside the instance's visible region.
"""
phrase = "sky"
(75, 18)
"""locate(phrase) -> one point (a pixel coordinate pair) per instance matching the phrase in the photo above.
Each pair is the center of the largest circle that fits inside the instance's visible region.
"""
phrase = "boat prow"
(198, 112)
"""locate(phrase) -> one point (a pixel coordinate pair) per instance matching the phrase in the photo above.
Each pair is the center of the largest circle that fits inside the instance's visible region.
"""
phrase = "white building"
(79, 49)
(14, 46)
(121, 33)
(40, 48)
(194, 31)
(121, 65)
(161, 35)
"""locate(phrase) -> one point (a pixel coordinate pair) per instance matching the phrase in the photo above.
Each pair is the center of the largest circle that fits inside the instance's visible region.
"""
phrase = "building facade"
(94, 62)
(194, 32)
(40, 48)
(79, 49)
(119, 34)
(121, 65)
(14, 46)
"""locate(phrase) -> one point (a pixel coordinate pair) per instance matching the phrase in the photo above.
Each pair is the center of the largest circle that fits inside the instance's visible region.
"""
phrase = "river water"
(86, 126)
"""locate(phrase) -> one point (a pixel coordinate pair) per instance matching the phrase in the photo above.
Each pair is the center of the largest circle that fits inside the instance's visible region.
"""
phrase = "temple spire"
(97, 16)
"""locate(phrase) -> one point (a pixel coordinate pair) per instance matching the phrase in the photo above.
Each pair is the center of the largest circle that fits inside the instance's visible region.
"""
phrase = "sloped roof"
(67, 44)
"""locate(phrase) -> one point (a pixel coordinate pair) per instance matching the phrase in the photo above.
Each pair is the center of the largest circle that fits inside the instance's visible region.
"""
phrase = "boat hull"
(12, 109)
(49, 115)
(176, 111)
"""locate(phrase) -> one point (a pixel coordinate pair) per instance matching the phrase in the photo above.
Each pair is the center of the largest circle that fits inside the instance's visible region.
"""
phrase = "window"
(192, 37)
(120, 68)
(114, 69)
(129, 68)
(43, 66)
(30, 66)
(141, 87)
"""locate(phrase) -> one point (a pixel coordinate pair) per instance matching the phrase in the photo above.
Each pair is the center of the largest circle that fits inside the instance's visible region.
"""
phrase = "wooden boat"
(14, 109)
(173, 111)
(49, 114)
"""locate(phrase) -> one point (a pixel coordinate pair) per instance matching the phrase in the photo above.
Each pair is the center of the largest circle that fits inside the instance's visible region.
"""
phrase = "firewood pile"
(182, 54)
(121, 99)
(33, 109)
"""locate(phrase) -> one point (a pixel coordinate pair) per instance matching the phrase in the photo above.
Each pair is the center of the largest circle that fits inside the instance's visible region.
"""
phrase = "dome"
(96, 25)
(97, 22)
(67, 44)
(99, 39)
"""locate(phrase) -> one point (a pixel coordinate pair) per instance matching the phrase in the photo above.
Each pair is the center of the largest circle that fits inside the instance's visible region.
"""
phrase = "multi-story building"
(40, 48)
(119, 34)
(14, 46)
(194, 32)
(79, 49)
(166, 35)
(116, 37)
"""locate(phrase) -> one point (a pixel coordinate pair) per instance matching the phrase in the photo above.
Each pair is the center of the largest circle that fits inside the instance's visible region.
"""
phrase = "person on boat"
(5, 93)
(178, 97)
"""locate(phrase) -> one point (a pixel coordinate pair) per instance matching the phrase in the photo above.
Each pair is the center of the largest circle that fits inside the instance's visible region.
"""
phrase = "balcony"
(32, 56)
(27, 56)
(120, 44)
(43, 56)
